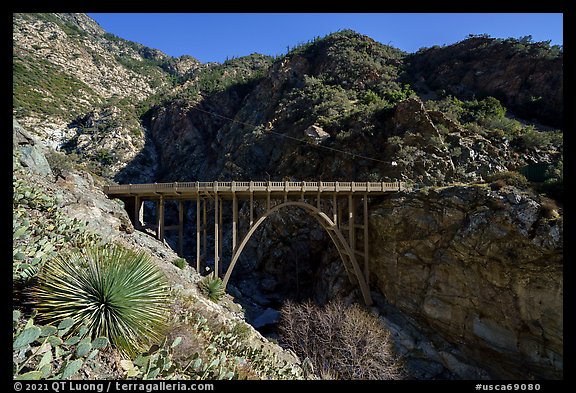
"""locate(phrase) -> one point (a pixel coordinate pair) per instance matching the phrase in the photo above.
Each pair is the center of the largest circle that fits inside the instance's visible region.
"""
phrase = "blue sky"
(215, 37)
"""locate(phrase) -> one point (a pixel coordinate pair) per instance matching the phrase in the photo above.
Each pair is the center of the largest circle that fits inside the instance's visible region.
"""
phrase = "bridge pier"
(160, 219)
(181, 228)
(216, 234)
(234, 222)
(198, 234)
(366, 241)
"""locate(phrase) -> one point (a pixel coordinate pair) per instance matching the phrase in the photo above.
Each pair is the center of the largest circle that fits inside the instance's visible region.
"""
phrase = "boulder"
(31, 154)
(316, 134)
(268, 317)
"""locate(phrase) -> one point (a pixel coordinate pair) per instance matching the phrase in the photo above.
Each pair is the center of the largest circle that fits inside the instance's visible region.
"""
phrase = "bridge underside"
(341, 209)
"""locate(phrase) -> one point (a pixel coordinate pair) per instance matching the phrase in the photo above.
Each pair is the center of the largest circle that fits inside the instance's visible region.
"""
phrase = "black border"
(420, 6)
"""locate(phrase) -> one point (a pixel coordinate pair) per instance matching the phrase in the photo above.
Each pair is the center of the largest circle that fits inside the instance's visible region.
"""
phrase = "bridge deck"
(258, 189)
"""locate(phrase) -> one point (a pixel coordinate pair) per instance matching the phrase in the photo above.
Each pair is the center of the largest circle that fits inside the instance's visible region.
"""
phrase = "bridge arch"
(344, 250)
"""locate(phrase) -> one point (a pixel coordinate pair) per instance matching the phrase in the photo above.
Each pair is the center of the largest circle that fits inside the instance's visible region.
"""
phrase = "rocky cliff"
(384, 129)
(482, 268)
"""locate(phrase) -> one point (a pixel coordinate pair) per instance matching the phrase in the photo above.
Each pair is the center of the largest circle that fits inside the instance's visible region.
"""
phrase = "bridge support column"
(216, 234)
(181, 228)
(204, 234)
(334, 210)
(351, 224)
(160, 219)
(138, 213)
(234, 222)
(339, 214)
(318, 195)
(198, 234)
(251, 210)
(220, 238)
(366, 241)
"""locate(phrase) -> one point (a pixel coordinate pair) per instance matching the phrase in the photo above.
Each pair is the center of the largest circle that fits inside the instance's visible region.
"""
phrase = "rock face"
(484, 273)
(31, 154)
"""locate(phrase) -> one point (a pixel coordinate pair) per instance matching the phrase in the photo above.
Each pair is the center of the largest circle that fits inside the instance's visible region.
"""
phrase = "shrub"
(341, 341)
(497, 185)
(61, 163)
(180, 262)
(212, 287)
(487, 108)
(510, 178)
(549, 208)
(120, 294)
(531, 138)
(554, 188)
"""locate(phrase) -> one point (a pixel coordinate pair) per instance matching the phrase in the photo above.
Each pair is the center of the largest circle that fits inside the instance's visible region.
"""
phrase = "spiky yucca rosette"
(118, 293)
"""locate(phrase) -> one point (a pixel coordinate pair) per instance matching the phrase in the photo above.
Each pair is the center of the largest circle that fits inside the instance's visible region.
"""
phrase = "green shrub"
(530, 138)
(489, 107)
(549, 208)
(212, 287)
(180, 262)
(120, 294)
(61, 163)
(511, 178)
(341, 341)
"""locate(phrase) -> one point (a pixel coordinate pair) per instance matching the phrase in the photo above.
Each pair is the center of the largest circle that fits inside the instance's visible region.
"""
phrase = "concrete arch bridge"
(340, 207)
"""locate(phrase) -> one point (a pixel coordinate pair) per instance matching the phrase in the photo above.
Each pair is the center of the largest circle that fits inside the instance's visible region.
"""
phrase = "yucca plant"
(116, 292)
(212, 287)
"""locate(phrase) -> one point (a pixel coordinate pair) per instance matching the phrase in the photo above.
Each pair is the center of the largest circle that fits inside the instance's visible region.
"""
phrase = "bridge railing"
(251, 186)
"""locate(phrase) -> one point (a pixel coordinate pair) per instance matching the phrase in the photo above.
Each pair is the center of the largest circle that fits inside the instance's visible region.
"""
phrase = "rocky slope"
(526, 76)
(78, 87)
(78, 198)
(471, 276)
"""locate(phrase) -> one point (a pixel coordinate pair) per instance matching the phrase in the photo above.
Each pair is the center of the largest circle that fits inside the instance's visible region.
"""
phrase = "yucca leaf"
(212, 287)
